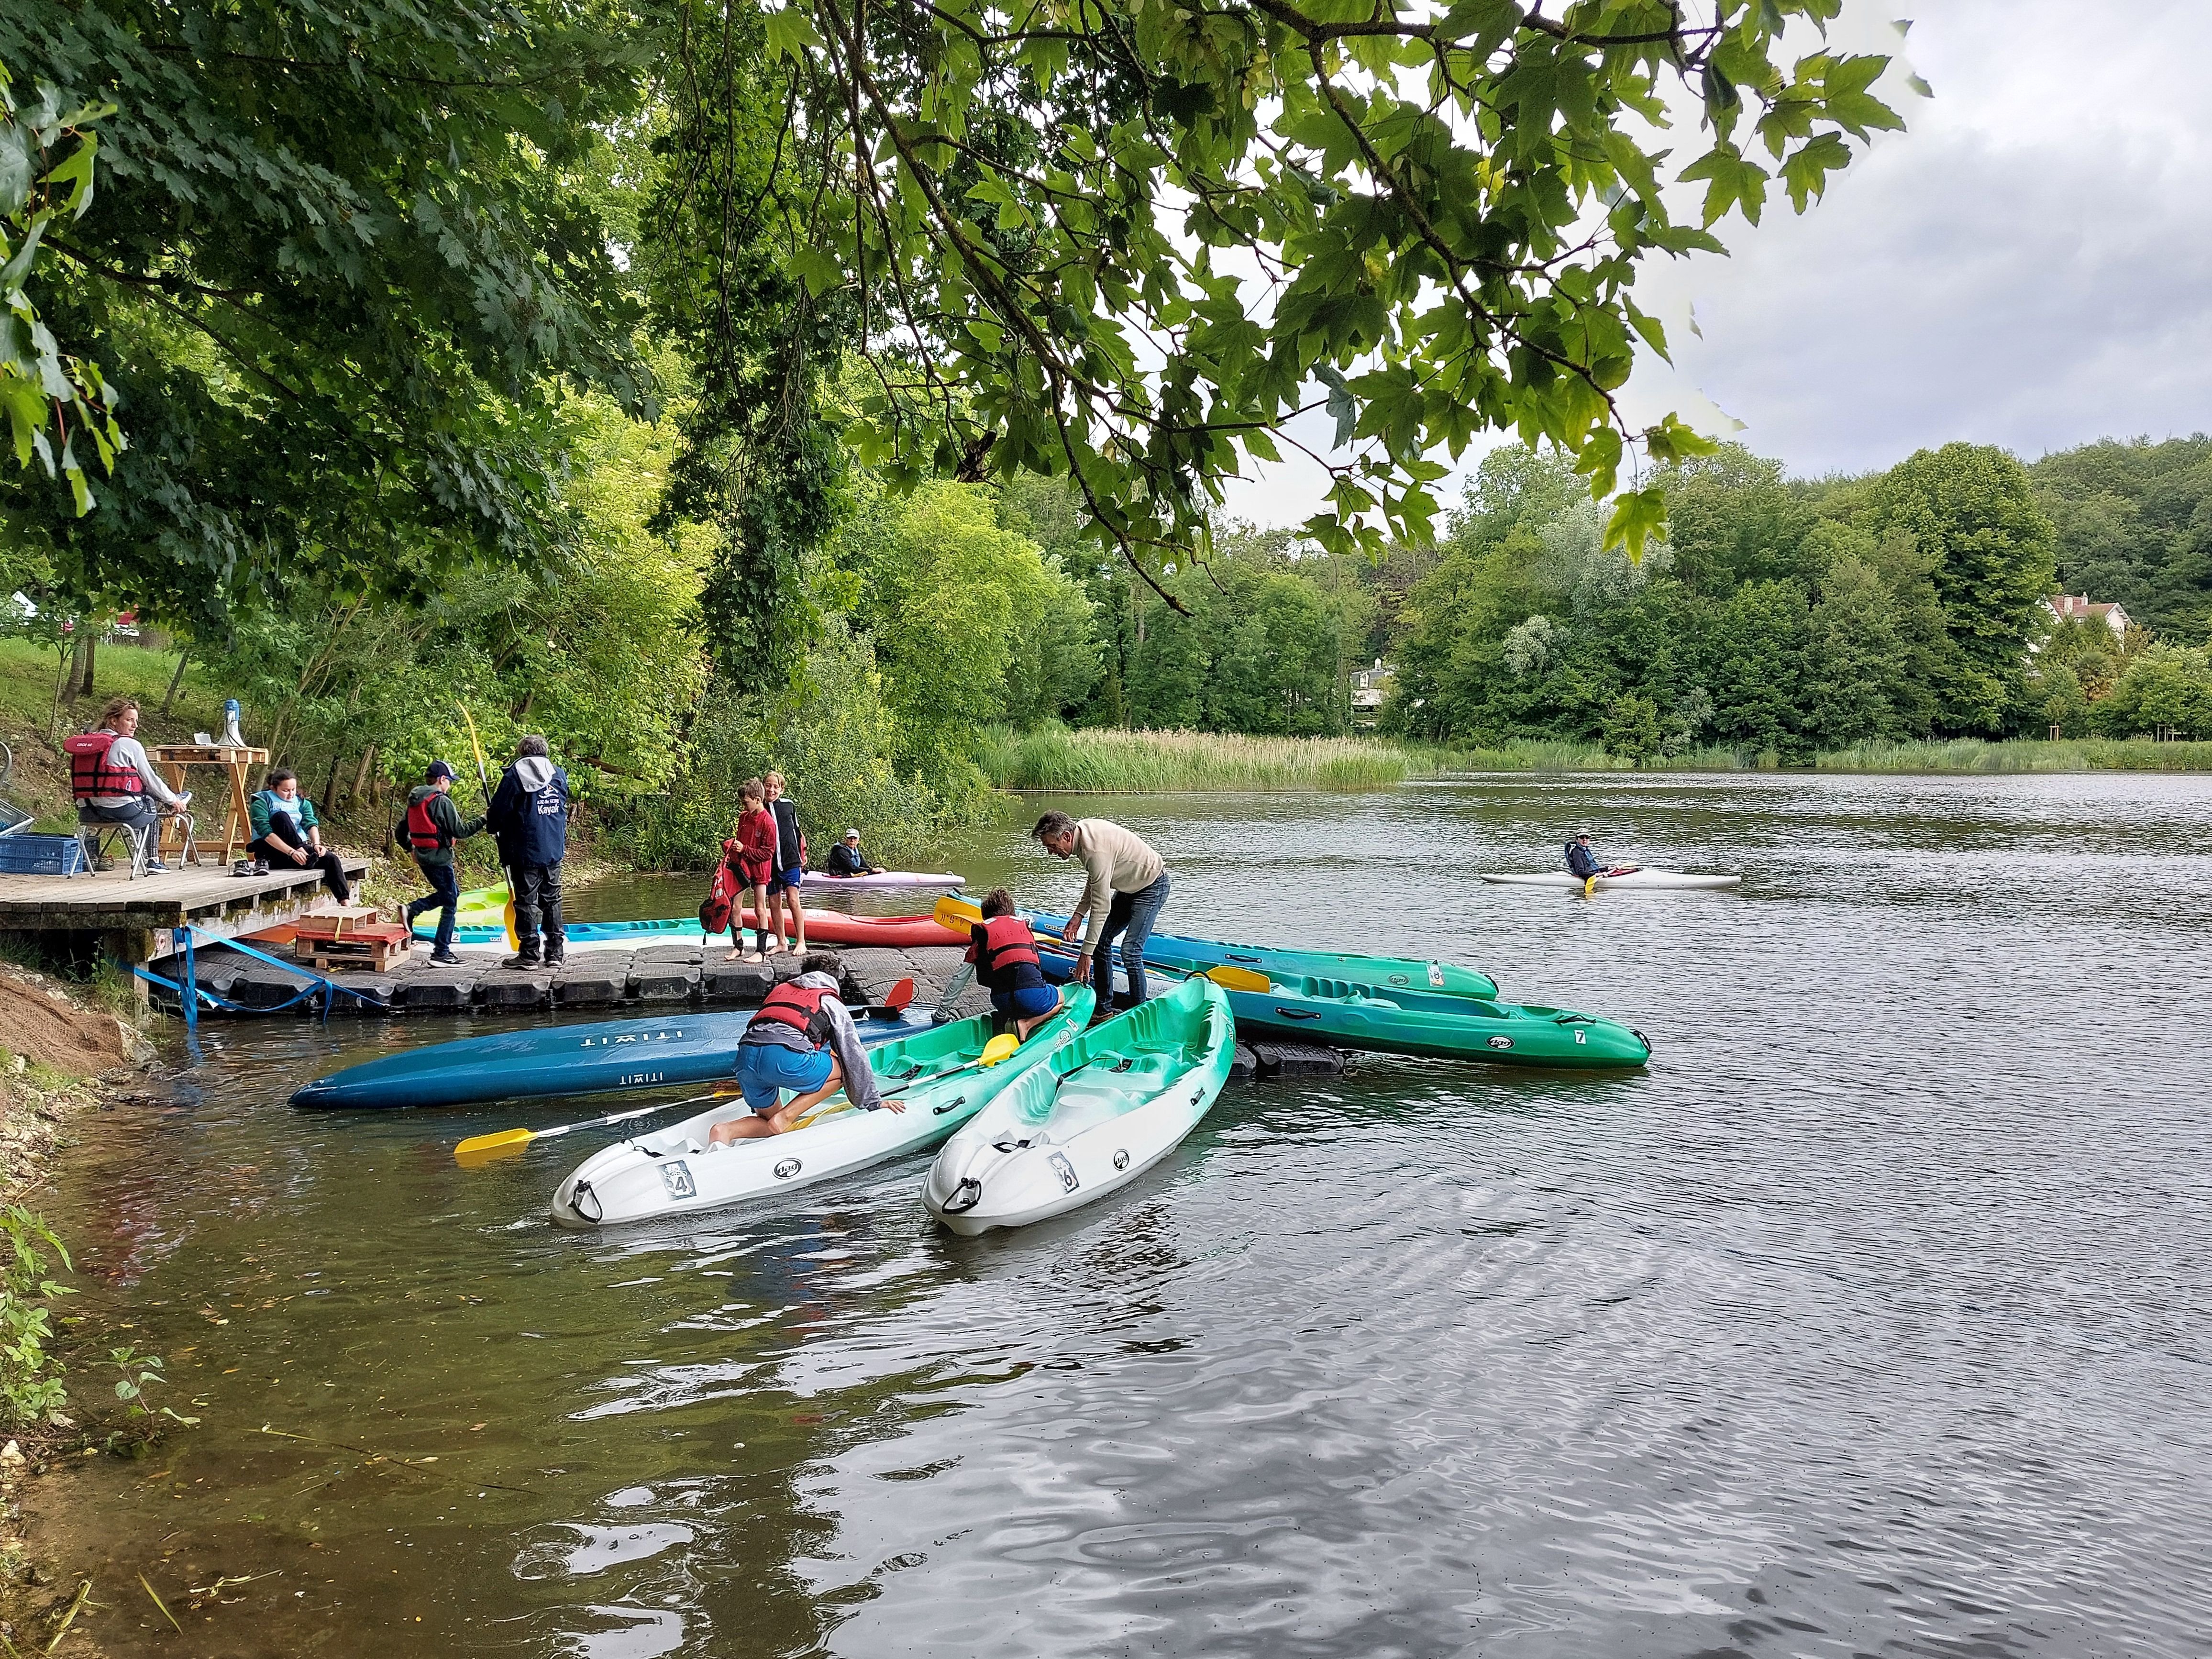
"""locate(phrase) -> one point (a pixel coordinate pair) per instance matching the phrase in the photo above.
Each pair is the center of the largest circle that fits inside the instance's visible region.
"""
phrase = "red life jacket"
(1003, 942)
(798, 1006)
(424, 833)
(721, 899)
(89, 771)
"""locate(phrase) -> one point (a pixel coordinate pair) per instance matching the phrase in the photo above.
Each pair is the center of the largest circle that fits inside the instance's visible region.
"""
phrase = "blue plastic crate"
(40, 855)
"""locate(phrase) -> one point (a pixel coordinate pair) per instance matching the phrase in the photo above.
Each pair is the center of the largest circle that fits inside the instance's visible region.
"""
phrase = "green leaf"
(790, 32)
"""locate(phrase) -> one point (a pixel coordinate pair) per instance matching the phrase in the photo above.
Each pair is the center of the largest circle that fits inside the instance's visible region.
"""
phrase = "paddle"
(483, 782)
(957, 914)
(482, 1149)
(1228, 978)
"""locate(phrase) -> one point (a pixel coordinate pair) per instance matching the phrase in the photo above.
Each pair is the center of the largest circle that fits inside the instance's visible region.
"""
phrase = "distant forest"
(1782, 615)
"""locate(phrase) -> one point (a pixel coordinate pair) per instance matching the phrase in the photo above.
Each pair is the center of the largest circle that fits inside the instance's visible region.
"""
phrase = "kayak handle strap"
(966, 1197)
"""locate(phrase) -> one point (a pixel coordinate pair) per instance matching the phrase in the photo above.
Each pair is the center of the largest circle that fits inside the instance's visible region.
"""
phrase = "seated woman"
(801, 1038)
(1004, 953)
(846, 857)
(287, 831)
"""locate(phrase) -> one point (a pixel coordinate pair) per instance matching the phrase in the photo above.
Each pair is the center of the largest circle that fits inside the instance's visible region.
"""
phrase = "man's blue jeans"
(445, 891)
(1129, 918)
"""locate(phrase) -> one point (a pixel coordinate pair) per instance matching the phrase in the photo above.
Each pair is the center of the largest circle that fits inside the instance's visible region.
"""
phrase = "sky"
(2029, 264)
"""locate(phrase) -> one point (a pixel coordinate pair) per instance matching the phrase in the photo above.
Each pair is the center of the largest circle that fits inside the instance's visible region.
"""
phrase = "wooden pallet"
(375, 950)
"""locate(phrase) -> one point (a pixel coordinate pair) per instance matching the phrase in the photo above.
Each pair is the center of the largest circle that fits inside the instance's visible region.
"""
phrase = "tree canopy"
(1124, 242)
(340, 261)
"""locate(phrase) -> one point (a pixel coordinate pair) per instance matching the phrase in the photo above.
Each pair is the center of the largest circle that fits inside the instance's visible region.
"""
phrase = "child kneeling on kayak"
(802, 1038)
(1005, 952)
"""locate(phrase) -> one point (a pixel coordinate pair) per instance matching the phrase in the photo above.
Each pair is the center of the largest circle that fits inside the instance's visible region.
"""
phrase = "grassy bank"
(1971, 755)
(1108, 762)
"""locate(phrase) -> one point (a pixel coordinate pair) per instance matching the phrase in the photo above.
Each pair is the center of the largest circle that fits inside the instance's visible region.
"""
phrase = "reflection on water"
(1872, 1317)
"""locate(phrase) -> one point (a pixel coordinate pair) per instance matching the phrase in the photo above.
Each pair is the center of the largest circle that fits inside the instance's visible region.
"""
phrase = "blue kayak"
(604, 1058)
(1391, 973)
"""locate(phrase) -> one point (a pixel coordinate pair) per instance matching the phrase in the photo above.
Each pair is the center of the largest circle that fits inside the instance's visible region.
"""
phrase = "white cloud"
(2030, 265)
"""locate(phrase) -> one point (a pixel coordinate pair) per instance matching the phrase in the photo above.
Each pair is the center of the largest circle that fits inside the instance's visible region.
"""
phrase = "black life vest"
(1005, 942)
(90, 774)
(424, 833)
(798, 1006)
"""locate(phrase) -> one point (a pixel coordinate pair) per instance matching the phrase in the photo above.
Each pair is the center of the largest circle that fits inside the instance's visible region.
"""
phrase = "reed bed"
(2022, 754)
(1105, 761)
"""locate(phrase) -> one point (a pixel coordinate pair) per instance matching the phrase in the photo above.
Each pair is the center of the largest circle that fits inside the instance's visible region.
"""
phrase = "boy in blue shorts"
(1004, 953)
(802, 1038)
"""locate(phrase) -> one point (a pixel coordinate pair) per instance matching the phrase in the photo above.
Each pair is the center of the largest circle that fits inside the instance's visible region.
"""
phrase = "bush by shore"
(1107, 760)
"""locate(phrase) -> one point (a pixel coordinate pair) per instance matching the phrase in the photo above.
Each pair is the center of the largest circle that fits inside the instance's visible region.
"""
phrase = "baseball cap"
(852, 834)
(436, 770)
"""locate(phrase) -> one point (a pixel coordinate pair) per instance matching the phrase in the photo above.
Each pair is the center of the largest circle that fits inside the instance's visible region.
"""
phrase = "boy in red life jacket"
(752, 849)
(802, 1038)
(1004, 953)
(434, 824)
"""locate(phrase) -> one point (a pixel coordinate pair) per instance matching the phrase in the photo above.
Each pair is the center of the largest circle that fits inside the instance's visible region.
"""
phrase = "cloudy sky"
(2029, 265)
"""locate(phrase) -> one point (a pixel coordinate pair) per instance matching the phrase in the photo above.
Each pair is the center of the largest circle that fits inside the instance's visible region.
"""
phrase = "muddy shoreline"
(64, 1055)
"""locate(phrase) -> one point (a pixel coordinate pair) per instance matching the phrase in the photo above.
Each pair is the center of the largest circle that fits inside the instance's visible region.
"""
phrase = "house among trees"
(2068, 607)
(1369, 686)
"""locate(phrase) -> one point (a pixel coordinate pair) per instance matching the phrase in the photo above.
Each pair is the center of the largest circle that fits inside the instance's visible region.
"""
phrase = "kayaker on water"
(434, 824)
(803, 1038)
(1005, 952)
(1127, 884)
(1584, 863)
(846, 859)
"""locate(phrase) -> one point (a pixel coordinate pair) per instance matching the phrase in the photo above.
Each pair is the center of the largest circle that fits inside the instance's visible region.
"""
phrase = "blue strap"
(329, 988)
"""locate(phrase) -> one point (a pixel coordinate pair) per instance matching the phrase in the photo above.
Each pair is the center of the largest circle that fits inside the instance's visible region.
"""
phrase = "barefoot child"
(802, 1038)
(756, 855)
(790, 863)
(1004, 953)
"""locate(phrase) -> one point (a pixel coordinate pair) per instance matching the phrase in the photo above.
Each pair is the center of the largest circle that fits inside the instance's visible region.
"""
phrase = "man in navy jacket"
(529, 818)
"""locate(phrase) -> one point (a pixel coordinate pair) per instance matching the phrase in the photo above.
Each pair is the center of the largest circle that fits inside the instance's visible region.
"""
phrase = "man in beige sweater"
(1127, 882)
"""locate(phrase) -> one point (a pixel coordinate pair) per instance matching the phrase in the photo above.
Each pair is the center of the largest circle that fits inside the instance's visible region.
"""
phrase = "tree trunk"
(80, 668)
(176, 680)
(90, 646)
(361, 772)
(330, 786)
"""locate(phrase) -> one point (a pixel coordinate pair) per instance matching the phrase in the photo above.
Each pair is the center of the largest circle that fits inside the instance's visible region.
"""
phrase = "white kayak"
(1093, 1117)
(937, 1074)
(1649, 880)
(823, 881)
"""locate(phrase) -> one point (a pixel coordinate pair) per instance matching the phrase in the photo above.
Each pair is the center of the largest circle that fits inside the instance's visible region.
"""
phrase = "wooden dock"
(137, 920)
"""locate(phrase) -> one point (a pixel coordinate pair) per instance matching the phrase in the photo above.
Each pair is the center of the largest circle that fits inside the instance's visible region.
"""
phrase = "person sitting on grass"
(846, 859)
(1005, 952)
(287, 831)
(801, 1038)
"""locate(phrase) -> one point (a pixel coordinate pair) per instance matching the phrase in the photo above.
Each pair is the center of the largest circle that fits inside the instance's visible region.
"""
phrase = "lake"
(1871, 1317)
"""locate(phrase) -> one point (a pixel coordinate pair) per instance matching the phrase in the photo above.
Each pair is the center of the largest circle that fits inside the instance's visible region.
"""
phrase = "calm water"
(1872, 1318)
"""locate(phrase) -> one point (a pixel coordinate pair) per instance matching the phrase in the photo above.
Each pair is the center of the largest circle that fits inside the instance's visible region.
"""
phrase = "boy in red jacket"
(752, 850)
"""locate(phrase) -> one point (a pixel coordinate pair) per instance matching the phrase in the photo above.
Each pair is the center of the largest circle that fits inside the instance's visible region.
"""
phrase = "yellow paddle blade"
(1000, 1048)
(957, 914)
(476, 1145)
(478, 1160)
(1239, 979)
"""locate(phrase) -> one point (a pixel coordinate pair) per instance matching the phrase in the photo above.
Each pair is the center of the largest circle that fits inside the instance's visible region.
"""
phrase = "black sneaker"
(555, 955)
(527, 959)
(445, 958)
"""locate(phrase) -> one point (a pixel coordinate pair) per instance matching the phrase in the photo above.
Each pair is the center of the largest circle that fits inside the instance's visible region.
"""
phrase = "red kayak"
(832, 927)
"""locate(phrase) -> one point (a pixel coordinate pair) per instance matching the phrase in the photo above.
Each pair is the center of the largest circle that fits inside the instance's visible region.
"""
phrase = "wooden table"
(237, 826)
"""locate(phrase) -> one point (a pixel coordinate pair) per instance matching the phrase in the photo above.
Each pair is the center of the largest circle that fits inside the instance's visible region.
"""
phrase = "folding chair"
(97, 835)
(12, 817)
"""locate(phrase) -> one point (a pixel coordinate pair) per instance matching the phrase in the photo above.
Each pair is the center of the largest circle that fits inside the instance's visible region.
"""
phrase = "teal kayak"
(1393, 973)
(1390, 1020)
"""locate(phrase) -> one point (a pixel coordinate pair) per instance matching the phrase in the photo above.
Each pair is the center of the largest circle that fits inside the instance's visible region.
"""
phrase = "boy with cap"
(434, 824)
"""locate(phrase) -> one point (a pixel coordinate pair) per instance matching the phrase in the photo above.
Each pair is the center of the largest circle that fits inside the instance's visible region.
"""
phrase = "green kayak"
(1396, 973)
(1349, 1014)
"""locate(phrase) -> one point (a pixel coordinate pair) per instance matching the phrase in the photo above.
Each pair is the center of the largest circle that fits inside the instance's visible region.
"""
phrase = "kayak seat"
(1316, 988)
